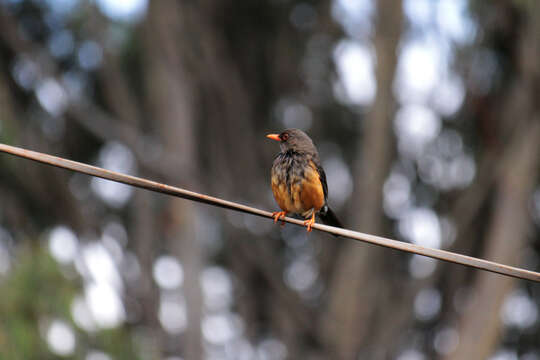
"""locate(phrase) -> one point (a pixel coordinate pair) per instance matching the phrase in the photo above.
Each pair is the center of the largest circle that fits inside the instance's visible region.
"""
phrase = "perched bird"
(298, 180)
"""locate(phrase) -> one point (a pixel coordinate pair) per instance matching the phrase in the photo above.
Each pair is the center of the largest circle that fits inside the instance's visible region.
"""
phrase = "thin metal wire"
(190, 195)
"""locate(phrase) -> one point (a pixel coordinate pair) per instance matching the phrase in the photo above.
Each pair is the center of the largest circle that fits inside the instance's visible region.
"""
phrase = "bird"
(298, 180)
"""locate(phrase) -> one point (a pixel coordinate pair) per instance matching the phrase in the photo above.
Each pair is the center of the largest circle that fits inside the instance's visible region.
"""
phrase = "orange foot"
(309, 223)
(279, 215)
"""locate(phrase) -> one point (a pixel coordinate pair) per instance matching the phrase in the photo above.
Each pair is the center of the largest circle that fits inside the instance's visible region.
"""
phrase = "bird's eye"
(284, 136)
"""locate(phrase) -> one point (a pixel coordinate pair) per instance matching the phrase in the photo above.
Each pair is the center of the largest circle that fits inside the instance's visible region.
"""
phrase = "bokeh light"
(105, 304)
(411, 354)
(519, 310)
(221, 328)
(421, 226)
(52, 96)
(123, 10)
(173, 313)
(61, 338)
(355, 66)
(167, 272)
(5, 257)
(301, 274)
(61, 44)
(505, 354)
(271, 349)
(421, 267)
(97, 355)
(82, 315)
(427, 304)
(116, 157)
(217, 288)
(446, 340)
(63, 244)
(89, 55)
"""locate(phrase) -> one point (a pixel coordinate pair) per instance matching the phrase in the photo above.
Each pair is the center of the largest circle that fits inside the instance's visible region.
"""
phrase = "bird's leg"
(279, 215)
(310, 222)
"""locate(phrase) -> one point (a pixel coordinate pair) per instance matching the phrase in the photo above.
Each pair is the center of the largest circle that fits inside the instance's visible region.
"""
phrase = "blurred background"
(426, 116)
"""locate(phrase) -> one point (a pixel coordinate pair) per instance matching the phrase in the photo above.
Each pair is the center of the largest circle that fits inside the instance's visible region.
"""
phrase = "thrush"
(298, 180)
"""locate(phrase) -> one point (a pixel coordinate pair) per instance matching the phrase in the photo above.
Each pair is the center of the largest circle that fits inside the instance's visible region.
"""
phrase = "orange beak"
(273, 137)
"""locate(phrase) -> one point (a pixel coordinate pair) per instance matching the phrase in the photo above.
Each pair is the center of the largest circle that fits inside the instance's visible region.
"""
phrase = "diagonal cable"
(214, 201)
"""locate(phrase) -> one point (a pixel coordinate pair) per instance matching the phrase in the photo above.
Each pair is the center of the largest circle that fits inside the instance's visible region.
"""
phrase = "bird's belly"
(300, 194)
(311, 194)
(285, 199)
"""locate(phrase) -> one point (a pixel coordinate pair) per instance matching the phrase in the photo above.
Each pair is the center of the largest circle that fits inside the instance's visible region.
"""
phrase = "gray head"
(294, 139)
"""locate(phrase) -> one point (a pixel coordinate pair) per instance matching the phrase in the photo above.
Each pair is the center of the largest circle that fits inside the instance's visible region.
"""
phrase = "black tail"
(328, 217)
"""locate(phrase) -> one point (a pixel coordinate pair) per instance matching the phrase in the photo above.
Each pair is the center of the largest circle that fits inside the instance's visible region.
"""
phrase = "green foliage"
(35, 292)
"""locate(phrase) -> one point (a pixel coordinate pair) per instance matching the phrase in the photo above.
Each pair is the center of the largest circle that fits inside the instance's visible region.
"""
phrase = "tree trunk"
(480, 325)
(171, 106)
(356, 287)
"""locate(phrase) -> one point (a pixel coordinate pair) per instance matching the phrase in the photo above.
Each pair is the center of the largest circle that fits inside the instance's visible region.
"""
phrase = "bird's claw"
(309, 223)
(279, 215)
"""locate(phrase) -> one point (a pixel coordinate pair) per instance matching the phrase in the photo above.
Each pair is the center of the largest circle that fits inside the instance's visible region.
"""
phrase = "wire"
(214, 201)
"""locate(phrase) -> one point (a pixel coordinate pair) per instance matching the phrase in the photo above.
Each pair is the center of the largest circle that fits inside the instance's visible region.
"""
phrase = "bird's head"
(294, 139)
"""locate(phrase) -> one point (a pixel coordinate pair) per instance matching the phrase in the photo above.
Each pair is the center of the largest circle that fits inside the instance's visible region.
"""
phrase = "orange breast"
(304, 194)
(312, 194)
(281, 194)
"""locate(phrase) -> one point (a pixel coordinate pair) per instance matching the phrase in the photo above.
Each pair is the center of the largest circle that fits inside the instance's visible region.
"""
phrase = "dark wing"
(322, 176)
(326, 214)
